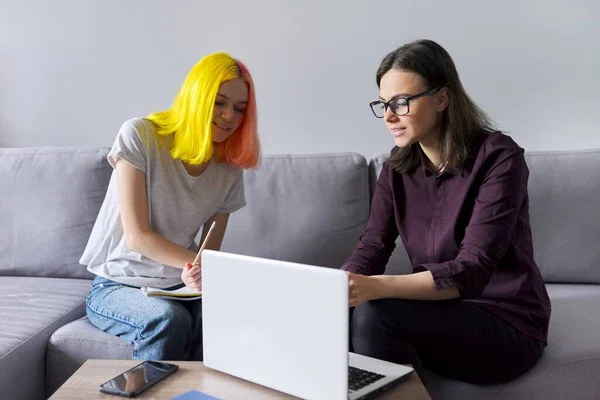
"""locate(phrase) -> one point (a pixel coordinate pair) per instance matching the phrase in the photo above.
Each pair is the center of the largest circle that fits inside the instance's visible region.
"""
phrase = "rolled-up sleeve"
(490, 231)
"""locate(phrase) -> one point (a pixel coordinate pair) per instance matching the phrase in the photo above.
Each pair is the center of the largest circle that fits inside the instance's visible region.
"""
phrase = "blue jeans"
(159, 329)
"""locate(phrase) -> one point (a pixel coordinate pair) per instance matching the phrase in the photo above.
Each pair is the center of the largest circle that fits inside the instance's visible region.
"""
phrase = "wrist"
(381, 286)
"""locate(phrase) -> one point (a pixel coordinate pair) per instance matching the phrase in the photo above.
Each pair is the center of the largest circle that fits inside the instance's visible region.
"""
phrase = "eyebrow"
(396, 96)
(239, 102)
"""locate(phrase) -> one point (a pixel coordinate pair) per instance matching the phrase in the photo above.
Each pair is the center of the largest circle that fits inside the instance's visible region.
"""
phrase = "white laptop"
(285, 326)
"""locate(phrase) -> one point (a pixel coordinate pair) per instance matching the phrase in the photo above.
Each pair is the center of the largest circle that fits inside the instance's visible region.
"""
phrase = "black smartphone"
(139, 378)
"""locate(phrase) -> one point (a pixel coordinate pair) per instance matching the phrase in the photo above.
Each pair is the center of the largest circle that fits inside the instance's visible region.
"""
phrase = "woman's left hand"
(362, 288)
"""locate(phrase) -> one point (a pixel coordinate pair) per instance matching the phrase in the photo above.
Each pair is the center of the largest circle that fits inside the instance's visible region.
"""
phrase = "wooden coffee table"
(84, 383)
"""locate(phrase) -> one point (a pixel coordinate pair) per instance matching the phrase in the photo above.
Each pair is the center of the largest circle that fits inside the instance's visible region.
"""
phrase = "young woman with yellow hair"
(175, 171)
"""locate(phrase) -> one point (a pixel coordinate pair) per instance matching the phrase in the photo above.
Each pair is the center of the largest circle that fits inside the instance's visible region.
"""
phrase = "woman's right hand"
(192, 276)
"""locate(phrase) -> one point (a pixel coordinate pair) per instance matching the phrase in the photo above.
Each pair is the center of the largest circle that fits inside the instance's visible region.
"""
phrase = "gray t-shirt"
(178, 206)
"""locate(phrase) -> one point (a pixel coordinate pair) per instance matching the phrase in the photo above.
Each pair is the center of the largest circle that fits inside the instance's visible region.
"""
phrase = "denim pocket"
(101, 287)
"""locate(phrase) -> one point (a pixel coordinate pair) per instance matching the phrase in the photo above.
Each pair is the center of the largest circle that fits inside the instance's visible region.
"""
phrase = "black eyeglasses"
(399, 105)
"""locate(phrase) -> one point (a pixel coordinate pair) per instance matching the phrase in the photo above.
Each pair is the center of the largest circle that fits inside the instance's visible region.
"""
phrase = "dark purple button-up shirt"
(469, 227)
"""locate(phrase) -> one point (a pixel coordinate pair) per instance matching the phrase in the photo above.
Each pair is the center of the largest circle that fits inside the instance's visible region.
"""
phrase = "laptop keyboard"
(359, 378)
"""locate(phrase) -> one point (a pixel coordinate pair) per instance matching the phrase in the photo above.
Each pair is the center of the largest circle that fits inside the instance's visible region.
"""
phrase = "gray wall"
(72, 71)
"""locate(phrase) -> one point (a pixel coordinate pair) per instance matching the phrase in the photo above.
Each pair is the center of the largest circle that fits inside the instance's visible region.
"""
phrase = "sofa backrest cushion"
(49, 203)
(564, 198)
(302, 208)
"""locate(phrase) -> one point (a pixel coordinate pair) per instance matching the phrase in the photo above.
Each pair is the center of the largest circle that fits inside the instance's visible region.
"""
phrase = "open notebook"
(183, 293)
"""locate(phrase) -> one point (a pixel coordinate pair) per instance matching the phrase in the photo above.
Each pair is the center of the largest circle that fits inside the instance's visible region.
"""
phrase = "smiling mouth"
(397, 131)
(223, 127)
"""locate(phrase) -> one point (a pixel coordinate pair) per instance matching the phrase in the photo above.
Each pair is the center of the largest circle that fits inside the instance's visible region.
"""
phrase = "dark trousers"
(456, 339)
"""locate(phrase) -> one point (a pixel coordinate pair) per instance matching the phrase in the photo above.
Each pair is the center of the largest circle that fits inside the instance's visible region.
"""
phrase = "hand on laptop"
(192, 276)
(362, 288)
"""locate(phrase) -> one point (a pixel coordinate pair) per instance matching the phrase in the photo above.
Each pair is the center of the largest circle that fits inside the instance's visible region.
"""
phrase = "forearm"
(155, 247)
(378, 240)
(370, 255)
(418, 286)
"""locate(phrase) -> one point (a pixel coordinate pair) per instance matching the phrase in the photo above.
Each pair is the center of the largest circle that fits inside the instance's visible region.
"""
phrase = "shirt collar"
(428, 172)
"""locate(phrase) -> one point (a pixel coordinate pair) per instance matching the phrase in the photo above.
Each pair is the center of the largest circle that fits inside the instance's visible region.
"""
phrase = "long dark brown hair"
(460, 120)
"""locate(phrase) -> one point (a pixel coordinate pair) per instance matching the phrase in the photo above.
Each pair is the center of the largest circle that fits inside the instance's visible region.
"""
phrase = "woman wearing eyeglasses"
(475, 307)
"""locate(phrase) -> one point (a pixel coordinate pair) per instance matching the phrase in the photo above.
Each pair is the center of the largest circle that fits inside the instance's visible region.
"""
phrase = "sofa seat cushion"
(570, 364)
(31, 309)
(73, 344)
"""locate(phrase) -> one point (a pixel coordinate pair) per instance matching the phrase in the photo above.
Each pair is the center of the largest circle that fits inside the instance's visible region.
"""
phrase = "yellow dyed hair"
(190, 117)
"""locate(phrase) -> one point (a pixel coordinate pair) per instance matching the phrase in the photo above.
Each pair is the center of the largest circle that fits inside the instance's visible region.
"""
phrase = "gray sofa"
(308, 209)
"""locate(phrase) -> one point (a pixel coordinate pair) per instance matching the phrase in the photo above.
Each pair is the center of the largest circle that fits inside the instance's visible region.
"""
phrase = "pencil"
(197, 259)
